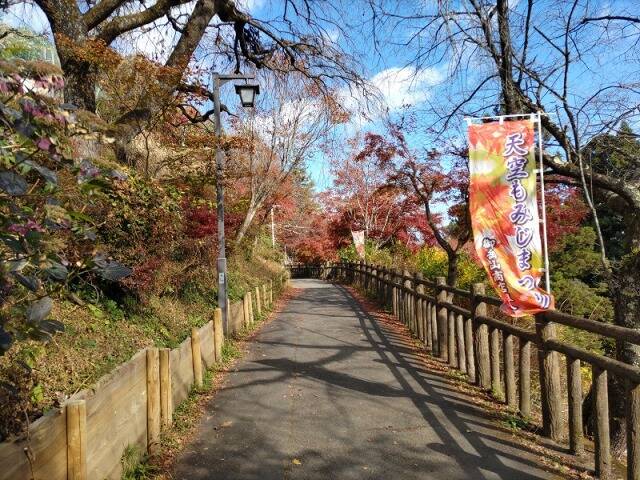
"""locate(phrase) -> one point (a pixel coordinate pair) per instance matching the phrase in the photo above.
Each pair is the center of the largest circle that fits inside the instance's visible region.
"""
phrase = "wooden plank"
(236, 317)
(181, 372)
(608, 330)
(246, 315)
(116, 417)
(206, 344)
(258, 302)
(252, 317)
(196, 357)
(624, 370)
(47, 447)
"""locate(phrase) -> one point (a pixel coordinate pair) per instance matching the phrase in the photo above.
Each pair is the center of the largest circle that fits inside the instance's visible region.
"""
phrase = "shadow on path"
(327, 391)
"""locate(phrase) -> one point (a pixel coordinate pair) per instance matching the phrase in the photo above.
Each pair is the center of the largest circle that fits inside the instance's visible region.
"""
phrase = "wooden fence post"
(406, 303)
(451, 338)
(76, 440)
(166, 409)
(434, 330)
(394, 293)
(481, 339)
(374, 280)
(443, 337)
(153, 399)
(265, 297)
(601, 436)
(218, 336)
(574, 391)
(258, 303)
(250, 306)
(525, 378)
(509, 370)
(419, 307)
(470, 356)
(271, 292)
(551, 394)
(196, 355)
(460, 344)
(245, 311)
(633, 431)
(494, 356)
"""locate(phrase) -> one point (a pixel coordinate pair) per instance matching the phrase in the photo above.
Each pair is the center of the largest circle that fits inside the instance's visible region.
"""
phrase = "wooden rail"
(481, 346)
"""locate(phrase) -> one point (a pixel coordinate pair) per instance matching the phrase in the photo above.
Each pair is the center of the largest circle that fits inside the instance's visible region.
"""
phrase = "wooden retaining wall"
(85, 439)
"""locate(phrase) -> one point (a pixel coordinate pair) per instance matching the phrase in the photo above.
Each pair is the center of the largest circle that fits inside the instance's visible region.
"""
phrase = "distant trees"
(363, 199)
(278, 138)
(440, 190)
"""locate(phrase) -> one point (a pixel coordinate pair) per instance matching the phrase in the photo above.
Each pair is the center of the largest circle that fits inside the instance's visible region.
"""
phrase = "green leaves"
(112, 271)
(12, 183)
(39, 227)
(39, 310)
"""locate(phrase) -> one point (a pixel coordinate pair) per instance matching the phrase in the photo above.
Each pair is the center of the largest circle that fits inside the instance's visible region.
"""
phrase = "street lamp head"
(247, 94)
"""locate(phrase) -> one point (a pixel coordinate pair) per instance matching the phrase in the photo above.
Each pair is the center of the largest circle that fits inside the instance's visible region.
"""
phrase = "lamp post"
(247, 94)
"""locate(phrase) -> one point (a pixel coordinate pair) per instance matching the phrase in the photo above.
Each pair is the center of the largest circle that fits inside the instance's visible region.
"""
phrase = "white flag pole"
(547, 279)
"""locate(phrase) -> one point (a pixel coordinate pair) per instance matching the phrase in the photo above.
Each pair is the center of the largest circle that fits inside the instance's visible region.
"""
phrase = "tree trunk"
(72, 40)
(452, 268)
(248, 219)
(79, 83)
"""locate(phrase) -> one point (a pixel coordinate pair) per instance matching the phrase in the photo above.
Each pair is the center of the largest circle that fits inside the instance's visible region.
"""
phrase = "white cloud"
(401, 86)
(250, 6)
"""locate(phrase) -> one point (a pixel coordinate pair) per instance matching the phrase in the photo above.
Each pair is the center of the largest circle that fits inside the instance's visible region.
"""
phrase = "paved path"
(325, 385)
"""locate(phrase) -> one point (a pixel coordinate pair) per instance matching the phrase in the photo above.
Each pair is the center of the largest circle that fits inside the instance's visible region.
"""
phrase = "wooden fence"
(479, 345)
(86, 438)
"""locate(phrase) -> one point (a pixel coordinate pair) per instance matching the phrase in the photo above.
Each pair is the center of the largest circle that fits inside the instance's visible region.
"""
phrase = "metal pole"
(222, 259)
(273, 230)
(547, 279)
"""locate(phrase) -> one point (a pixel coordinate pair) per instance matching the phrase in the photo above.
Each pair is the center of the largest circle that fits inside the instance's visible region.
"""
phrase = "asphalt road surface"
(326, 392)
